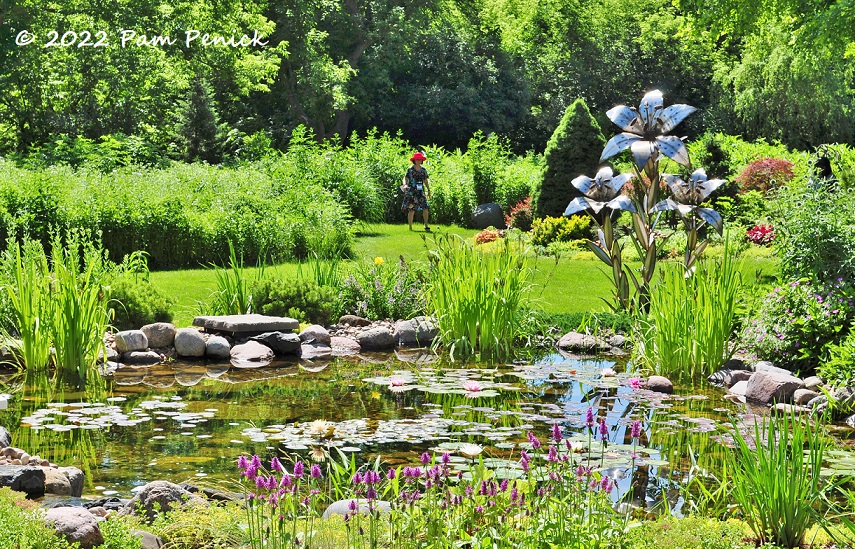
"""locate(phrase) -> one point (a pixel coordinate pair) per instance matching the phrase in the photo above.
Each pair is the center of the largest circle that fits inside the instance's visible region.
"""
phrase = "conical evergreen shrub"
(574, 149)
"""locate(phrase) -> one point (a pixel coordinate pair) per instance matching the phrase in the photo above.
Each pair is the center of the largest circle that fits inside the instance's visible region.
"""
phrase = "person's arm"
(427, 186)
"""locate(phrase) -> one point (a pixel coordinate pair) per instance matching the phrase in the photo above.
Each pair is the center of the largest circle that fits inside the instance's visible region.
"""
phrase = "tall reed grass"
(687, 330)
(477, 297)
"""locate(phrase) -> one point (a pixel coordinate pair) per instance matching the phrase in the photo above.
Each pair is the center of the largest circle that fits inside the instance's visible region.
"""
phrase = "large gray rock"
(159, 334)
(488, 215)
(75, 478)
(5, 438)
(189, 343)
(218, 348)
(342, 507)
(247, 323)
(160, 496)
(22, 478)
(77, 525)
(659, 384)
(582, 343)
(59, 484)
(766, 366)
(141, 357)
(251, 354)
(315, 334)
(416, 332)
(376, 339)
(343, 346)
(131, 340)
(813, 382)
(282, 343)
(803, 396)
(148, 540)
(768, 386)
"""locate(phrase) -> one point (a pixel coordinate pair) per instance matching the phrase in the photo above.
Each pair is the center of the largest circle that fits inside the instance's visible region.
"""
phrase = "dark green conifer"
(574, 149)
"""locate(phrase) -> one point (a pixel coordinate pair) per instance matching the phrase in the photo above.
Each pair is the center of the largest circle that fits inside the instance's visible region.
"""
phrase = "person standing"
(416, 187)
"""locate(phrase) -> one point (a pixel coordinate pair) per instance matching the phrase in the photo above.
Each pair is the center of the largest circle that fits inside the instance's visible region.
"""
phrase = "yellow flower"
(378, 260)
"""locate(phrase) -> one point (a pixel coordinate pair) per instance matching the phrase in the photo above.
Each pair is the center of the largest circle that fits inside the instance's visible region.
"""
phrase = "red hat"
(419, 155)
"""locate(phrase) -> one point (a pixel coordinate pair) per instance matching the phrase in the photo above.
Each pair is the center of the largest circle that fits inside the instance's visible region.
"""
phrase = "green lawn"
(566, 287)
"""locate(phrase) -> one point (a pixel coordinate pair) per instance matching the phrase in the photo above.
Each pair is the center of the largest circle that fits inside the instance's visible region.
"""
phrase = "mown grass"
(568, 286)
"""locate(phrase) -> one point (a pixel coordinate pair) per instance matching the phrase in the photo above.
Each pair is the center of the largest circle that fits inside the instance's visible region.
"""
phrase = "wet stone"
(281, 343)
(141, 357)
(253, 323)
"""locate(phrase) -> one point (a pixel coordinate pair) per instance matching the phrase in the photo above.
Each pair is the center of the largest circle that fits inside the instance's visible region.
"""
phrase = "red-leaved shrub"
(765, 174)
(520, 216)
(489, 235)
(761, 234)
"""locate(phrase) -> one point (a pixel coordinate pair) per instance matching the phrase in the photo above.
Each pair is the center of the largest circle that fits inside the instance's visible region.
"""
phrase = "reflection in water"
(183, 421)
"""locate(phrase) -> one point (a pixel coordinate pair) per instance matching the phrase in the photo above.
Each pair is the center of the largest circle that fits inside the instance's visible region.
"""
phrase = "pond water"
(189, 422)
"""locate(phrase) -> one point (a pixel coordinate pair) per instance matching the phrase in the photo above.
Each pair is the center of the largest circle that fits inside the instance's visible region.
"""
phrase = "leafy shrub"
(694, 532)
(297, 298)
(797, 321)
(761, 234)
(489, 235)
(839, 369)
(21, 525)
(520, 216)
(815, 233)
(559, 229)
(136, 302)
(382, 290)
(518, 179)
(573, 149)
(765, 174)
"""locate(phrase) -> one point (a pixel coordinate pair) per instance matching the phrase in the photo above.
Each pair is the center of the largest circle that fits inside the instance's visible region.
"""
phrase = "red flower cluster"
(761, 234)
(489, 235)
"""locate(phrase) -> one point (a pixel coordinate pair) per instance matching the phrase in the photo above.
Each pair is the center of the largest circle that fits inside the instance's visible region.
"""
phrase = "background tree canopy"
(435, 70)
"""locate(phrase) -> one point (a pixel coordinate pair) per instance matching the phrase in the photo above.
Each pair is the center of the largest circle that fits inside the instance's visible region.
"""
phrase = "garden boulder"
(130, 340)
(22, 478)
(416, 332)
(148, 540)
(280, 342)
(160, 496)
(813, 382)
(251, 354)
(376, 339)
(189, 342)
(488, 215)
(315, 334)
(342, 346)
(353, 320)
(159, 334)
(77, 525)
(768, 386)
(218, 348)
(803, 396)
(659, 384)
(576, 342)
(64, 481)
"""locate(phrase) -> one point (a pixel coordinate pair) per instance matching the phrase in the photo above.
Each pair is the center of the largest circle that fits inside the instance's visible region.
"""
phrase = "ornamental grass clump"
(477, 297)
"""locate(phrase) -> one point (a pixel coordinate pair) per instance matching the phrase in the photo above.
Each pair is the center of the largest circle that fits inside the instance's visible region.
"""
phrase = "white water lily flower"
(603, 191)
(319, 428)
(469, 450)
(644, 130)
(608, 372)
(317, 454)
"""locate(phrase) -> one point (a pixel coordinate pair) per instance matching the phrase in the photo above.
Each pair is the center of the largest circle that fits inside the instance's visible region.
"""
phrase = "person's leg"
(410, 213)
(425, 214)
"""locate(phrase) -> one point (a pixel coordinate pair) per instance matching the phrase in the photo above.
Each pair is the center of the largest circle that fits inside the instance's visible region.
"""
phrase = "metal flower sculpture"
(645, 129)
(603, 191)
(689, 195)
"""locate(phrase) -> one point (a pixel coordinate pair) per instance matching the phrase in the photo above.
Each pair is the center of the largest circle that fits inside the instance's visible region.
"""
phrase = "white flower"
(469, 450)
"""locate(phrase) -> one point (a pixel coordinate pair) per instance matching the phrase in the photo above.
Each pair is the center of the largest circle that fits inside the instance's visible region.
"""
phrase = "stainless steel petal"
(712, 217)
(675, 183)
(618, 143)
(621, 203)
(623, 116)
(674, 148)
(596, 206)
(647, 110)
(665, 205)
(671, 116)
(578, 204)
(583, 183)
(642, 151)
(617, 183)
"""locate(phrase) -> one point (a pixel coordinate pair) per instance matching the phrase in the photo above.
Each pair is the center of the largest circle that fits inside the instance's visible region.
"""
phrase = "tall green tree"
(573, 150)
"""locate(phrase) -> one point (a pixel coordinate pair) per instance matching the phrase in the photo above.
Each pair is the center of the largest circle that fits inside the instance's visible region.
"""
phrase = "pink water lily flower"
(471, 386)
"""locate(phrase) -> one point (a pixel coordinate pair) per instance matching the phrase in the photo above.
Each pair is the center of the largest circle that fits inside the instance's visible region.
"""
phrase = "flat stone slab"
(247, 323)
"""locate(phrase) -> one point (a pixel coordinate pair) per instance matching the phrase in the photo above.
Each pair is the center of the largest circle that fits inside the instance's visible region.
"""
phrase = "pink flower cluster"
(761, 234)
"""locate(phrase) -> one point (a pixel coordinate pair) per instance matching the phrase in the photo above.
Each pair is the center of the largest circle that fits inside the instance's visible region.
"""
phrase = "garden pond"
(188, 422)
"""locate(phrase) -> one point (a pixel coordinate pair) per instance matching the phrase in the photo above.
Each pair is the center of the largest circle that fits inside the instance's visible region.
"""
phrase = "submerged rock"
(342, 346)
(416, 332)
(251, 354)
(660, 384)
(141, 357)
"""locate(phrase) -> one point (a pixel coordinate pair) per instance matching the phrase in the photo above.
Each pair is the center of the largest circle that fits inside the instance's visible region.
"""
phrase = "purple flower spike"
(556, 432)
(604, 430)
(606, 485)
(316, 471)
(299, 468)
(589, 418)
(535, 442)
(636, 429)
(353, 506)
(243, 463)
(391, 474)
(275, 465)
(357, 479)
(446, 458)
(425, 459)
